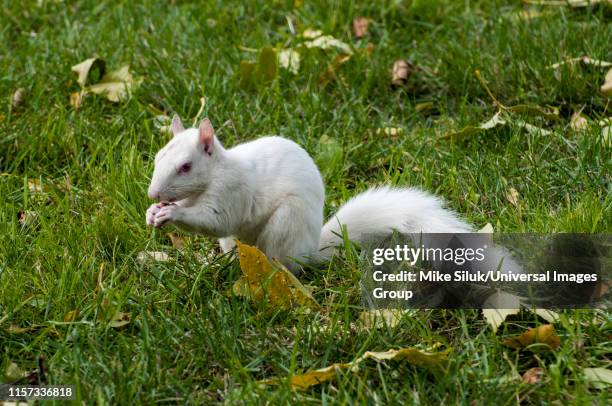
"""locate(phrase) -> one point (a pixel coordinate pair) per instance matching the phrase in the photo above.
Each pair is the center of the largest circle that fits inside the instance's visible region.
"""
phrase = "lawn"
(73, 184)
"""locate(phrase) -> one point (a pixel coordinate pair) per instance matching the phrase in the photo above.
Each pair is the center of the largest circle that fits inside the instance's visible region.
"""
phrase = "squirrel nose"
(153, 194)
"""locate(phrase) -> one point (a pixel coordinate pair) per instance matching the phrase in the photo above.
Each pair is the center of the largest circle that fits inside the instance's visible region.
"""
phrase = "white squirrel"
(269, 193)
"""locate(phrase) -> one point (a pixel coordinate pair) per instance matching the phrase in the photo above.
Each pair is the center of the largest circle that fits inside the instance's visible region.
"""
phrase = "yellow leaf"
(178, 242)
(263, 280)
(76, 99)
(152, 256)
(381, 318)
(578, 122)
(290, 60)
(513, 196)
(599, 377)
(545, 334)
(434, 361)
(487, 229)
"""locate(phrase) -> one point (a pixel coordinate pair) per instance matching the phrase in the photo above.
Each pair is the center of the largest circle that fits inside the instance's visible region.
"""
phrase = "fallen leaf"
(549, 113)
(578, 122)
(318, 40)
(401, 71)
(263, 280)
(290, 60)
(379, 318)
(599, 377)
(34, 186)
(71, 316)
(330, 72)
(18, 98)
(532, 129)
(120, 319)
(261, 72)
(95, 66)
(495, 317)
(434, 361)
(533, 376)
(585, 60)
(570, 3)
(545, 334)
(115, 85)
(178, 242)
(424, 107)
(606, 88)
(360, 26)
(512, 196)
(152, 256)
(487, 229)
(14, 373)
(391, 131)
(76, 100)
(606, 131)
(495, 121)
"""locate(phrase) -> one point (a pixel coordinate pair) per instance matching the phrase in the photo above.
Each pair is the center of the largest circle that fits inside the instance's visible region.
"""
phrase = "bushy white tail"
(385, 209)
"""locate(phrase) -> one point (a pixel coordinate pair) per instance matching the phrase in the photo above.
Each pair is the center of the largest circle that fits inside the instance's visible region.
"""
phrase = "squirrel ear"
(207, 136)
(177, 125)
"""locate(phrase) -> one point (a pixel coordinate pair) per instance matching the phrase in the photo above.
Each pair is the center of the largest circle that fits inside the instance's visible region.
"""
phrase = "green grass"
(188, 341)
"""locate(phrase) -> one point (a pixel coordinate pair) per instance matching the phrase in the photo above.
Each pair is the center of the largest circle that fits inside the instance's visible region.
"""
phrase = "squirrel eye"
(185, 168)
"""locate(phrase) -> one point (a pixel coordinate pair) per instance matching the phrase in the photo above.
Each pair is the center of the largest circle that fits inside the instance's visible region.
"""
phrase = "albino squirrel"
(269, 193)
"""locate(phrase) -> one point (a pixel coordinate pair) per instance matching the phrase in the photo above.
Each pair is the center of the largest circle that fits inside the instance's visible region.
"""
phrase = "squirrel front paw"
(167, 213)
(152, 212)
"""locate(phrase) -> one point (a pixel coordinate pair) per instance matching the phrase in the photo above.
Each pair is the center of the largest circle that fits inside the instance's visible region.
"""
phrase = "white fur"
(269, 193)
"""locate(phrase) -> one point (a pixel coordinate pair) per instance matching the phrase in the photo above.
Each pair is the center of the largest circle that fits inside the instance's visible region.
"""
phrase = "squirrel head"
(183, 167)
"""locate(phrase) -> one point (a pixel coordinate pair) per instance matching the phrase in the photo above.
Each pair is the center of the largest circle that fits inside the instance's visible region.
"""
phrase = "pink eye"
(185, 168)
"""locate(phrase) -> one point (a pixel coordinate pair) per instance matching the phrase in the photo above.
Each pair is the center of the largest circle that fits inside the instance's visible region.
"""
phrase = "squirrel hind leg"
(291, 233)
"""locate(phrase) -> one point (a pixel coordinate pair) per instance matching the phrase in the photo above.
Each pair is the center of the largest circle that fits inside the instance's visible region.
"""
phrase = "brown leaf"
(545, 334)
(360, 26)
(330, 73)
(533, 376)
(402, 70)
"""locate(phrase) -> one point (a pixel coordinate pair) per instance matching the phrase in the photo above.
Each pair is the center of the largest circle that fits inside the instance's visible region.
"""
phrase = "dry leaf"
(391, 131)
(495, 317)
(401, 71)
(290, 60)
(599, 377)
(318, 40)
(34, 186)
(585, 60)
(379, 318)
(533, 376)
(71, 316)
(360, 26)
(115, 85)
(330, 73)
(578, 122)
(14, 373)
(18, 98)
(263, 280)
(94, 65)
(495, 121)
(606, 88)
(435, 361)
(76, 100)
(152, 256)
(120, 319)
(549, 113)
(424, 107)
(487, 229)
(178, 242)
(545, 334)
(513, 196)
(548, 315)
